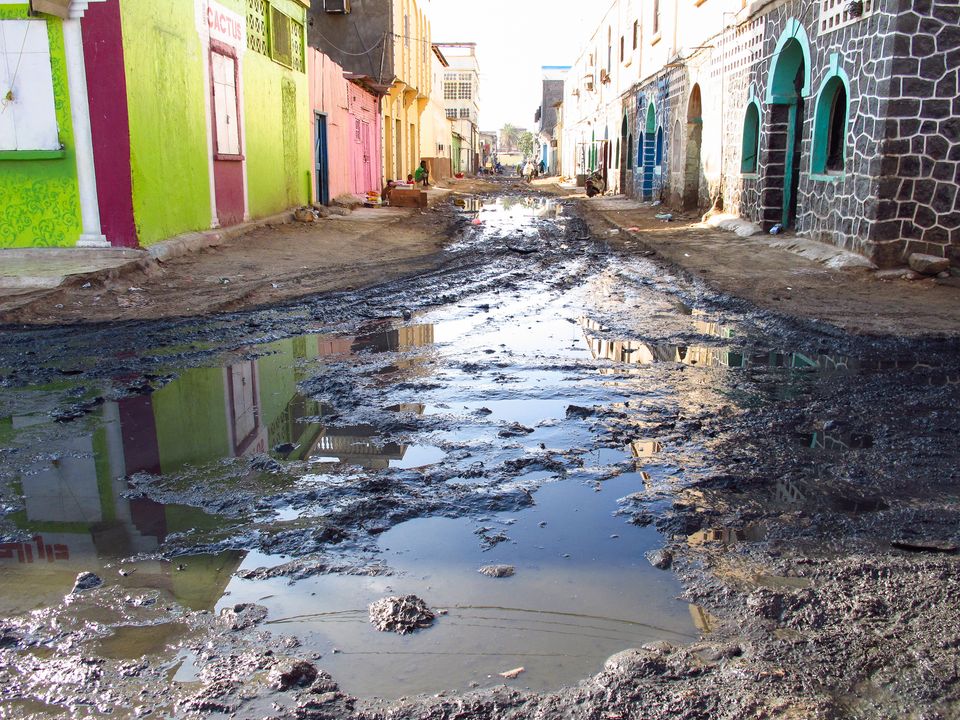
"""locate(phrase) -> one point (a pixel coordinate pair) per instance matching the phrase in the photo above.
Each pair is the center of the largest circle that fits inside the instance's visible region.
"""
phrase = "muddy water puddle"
(316, 474)
(581, 591)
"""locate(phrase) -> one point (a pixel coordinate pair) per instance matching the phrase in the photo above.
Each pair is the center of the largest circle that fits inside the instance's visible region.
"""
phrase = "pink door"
(367, 159)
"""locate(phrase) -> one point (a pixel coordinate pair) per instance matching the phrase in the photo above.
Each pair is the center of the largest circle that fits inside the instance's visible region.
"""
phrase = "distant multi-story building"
(387, 43)
(461, 90)
(837, 120)
(546, 116)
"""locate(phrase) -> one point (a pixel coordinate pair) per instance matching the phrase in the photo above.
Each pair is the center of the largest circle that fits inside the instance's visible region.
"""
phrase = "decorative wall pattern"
(41, 202)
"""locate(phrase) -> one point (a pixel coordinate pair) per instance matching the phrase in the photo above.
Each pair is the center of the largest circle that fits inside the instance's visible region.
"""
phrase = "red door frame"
(227, 168)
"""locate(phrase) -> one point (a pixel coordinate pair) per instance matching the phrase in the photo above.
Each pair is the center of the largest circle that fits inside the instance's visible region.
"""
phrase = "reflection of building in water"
(394, 339)
(728, 536)
(636, 352)
(702, 620)
(645, 448)
(356, 446)
(79, 518)
(710, 327)
(837, 440)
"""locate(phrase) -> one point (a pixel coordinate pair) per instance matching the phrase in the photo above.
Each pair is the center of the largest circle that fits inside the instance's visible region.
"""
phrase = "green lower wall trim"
(32, 154)
(41, 199)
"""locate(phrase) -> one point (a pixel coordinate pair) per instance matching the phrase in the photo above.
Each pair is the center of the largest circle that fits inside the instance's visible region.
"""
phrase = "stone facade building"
(836, 119)
(546, 116)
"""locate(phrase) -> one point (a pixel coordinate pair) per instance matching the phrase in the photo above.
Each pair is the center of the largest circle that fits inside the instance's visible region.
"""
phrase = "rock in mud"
(401, 614)
(577, 411)
(243, 615)
(497, 571)
(660, 559)
(294, 673)
(86, 581)
(515, 430)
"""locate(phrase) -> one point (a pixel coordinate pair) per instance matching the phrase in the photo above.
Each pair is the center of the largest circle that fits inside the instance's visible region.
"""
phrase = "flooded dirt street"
(617, 493)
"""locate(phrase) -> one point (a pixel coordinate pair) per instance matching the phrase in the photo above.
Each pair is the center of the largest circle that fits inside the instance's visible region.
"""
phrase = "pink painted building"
(364, 109)
(346, 131)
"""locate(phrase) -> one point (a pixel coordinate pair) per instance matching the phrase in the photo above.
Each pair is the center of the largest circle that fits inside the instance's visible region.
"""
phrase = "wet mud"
(657, 500)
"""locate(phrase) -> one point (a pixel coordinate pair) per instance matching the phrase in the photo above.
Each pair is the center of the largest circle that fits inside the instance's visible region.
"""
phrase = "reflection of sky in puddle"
(578, 596)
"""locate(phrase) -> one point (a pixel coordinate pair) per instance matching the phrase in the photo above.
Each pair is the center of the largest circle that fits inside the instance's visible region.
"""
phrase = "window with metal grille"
(449, 91)
(281, 46)
(296, 45)
(839, 13)
(465, 91)
(465, 113)
(257, 27)
(451, 113)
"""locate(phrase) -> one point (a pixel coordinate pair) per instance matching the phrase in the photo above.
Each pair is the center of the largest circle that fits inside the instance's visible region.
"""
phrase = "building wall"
(166, 87)
(919, 205)
(361, 41)
(365, 134)
(278, 143)
(328, 95)
(109, 120)
(40, 199)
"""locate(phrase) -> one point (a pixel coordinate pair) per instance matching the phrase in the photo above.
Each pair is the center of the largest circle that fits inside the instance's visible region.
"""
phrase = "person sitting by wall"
(423, 175)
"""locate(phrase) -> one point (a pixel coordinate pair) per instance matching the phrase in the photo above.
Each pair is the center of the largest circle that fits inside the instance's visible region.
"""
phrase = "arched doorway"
(788, 83)
(691, 170)
(649, 151)
(624, 154)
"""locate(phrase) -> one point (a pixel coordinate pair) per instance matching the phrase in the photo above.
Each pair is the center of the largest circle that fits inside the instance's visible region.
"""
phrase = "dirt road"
(657, 499)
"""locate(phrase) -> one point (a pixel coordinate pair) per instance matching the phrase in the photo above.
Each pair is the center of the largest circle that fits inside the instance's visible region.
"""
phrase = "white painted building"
(461, 99)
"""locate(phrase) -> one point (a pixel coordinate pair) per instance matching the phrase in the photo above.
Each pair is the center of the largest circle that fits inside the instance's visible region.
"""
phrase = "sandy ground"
(779, 280)
(277, 263)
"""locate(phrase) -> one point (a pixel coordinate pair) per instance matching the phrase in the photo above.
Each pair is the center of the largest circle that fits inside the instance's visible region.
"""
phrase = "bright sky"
(514, 39)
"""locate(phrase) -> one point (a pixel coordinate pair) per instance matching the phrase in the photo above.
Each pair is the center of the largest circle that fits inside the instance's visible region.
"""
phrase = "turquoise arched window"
(831, 122)
(751, 139)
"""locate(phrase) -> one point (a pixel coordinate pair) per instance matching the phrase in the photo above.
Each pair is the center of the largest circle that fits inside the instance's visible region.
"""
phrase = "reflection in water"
(824, 492)
(836, 440)
(702, 620)
(728, 536)
(645, 448)
(583, 590)
(76, 504)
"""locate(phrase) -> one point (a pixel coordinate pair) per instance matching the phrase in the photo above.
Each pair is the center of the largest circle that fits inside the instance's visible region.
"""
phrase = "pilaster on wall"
(91, 235)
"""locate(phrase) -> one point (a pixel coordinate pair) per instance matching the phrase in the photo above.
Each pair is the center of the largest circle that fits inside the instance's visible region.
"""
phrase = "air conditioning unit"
(336, 6)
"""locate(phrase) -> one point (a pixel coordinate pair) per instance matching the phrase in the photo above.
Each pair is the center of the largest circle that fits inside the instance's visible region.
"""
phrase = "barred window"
(465, 113)
(451, 113)
(464, 91)
(257, 26)
(449, 91)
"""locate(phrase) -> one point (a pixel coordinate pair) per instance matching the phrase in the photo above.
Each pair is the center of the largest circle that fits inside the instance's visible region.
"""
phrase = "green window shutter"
(751, 139)
(281, 45)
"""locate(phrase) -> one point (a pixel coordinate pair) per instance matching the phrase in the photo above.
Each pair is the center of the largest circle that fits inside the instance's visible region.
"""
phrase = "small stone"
(928, 264)
(86, 581)
(497, 571)
(299, 673)
(660, 559)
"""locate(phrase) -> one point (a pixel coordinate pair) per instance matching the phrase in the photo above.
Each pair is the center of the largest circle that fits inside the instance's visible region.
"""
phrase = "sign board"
(215, 22)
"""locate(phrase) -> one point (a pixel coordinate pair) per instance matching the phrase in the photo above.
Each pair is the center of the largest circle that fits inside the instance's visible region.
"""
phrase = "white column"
(90, 235)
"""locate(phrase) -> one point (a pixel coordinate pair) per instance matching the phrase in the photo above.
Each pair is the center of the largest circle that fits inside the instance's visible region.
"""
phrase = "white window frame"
(28, 113)
(226, 106)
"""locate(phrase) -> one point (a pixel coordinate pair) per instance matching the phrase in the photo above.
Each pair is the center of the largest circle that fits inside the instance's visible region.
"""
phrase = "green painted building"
(158, 118)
